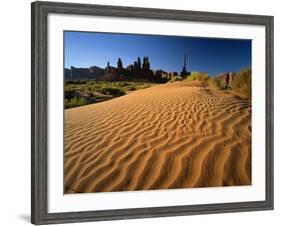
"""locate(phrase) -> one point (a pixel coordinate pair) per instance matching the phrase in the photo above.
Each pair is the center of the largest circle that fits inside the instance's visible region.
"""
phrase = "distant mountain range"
(74, 73)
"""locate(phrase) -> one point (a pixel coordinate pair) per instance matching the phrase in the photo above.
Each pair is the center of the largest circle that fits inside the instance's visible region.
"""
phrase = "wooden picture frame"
(39, 109)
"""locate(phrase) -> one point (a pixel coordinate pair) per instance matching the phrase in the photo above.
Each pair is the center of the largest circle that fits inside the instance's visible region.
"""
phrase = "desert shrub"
(91, 94)
(74, 92)
(123, 84)
(242, 82)
(217, 82)
(88, 90)
(69, 92)
(176, 78)
(75, 102)
(112, 91)
(199, 76)
(132, 88)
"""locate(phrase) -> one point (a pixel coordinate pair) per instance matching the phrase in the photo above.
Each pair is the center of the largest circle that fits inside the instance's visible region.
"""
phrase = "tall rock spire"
(184, 72)
(119, 65)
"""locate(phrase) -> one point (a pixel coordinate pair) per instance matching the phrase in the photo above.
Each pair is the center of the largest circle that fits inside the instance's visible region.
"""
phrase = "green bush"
(123, 84)
(112, 91)
(69, 92)
(132, 88)
(75, 102)
(79, 93)
(176, 78)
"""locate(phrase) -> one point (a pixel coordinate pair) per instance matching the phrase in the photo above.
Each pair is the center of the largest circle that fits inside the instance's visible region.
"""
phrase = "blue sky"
(211, 55)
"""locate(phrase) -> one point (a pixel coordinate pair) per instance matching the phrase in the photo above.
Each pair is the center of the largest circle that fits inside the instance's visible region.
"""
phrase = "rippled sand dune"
(167, 136)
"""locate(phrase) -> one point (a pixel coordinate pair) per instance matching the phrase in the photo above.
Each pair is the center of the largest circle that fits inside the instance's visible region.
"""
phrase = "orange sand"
(168, 136)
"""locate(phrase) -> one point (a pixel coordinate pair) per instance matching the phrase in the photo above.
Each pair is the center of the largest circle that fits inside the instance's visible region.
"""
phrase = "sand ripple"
(168, 136)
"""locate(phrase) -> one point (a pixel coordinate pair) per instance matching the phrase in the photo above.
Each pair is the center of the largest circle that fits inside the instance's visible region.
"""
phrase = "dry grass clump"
(199, 76)
(242, 82)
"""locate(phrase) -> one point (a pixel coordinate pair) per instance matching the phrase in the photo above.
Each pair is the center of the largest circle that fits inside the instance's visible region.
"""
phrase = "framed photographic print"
(140, 112)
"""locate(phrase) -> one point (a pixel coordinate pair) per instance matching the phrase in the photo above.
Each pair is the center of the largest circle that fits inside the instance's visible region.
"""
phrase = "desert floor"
(169, 136)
